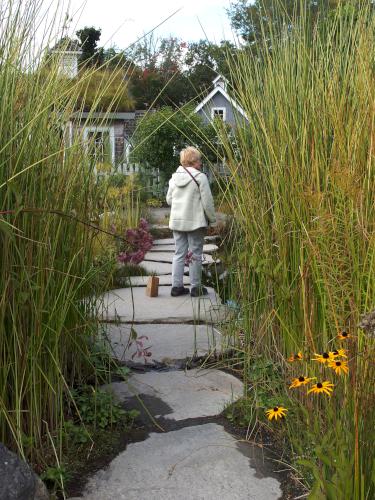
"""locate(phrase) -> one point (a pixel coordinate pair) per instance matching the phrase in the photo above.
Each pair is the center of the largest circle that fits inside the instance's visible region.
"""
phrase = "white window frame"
(110, 129)
(224, 110)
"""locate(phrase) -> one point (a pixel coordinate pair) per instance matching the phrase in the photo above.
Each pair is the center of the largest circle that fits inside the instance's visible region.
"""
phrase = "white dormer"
(69, 53)
(220, 81)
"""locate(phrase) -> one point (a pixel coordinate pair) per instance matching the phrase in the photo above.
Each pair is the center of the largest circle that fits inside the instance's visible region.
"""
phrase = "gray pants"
(188, 241)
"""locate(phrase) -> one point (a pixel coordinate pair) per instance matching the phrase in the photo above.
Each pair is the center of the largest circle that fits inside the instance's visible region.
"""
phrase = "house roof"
(223, 92)
(219, 77)
(105, 115)
(67, 45)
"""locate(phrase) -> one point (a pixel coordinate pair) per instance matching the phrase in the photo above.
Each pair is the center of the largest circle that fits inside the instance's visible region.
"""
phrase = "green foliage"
(262, 19)
(126, 271)
(55, 477)
(48, 196)
(89, 37)
(265, 389)
(97, 407)
(241, 413)
(330, 462)
(105, 90)
(303, 175)
(172, 72)
(204, 61)
(158, 78)
(75, 434)
(122, 371)
(154, 202)
(161, 135)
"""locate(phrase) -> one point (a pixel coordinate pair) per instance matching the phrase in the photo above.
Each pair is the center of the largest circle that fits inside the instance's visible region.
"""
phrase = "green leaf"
(7, 228)
(133, 334)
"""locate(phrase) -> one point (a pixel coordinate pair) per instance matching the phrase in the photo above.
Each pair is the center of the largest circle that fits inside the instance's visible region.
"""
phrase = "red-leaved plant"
(141, 351)
(138, 242)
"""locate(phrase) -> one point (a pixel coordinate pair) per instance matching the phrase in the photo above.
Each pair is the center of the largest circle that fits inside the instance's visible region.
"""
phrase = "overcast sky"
(123, 21)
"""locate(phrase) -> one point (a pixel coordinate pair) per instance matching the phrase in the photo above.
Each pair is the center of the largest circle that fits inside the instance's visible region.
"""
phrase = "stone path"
(187, 455)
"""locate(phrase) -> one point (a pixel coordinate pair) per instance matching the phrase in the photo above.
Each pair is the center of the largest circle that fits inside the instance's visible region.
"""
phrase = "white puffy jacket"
(191, 207)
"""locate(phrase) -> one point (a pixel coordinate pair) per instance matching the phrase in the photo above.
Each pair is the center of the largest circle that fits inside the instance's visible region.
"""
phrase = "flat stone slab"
(159, 226)
(159, 256)
(168, 257)
(212, 238)
(159, 214)
(163, 248)
(164, 241)
(164, 279)
(170, 241)
(166, 342)
(208, 248)
(116, 305)
(159, 268)
(191, 394)
(194, 463)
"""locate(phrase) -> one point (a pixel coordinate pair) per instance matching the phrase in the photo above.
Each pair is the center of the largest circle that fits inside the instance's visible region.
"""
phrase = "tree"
(158, 79)
(255, 20)
(161, 135)
(114, 58)
(91, 54)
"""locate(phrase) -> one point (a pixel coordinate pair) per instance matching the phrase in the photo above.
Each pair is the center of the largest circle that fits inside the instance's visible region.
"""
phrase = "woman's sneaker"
(198, 291)
(179, 290)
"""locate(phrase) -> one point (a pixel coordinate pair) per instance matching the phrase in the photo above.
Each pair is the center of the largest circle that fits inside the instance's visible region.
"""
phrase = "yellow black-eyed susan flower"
(322, 387)
(344, 335)
(339, 366)
(297, 382)
(295, 357)
(276, 412)
(322, 358)
(337, 353)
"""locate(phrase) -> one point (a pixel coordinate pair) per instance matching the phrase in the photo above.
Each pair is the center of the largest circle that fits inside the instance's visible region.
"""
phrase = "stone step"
(158, 268)
(163, 257)
(166, 343)
(159, 226)
(201, 462)
(170, 241)
(164, 241)
(191, 394)
(208, 248)
(116, 305)
(164, 280)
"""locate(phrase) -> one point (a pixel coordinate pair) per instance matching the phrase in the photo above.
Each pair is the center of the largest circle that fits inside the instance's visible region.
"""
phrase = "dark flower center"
(338, 363)
(296, 356)
(276, 408)
(319, 385)
(301, 379)
(335, 352)
(325, 355)
(344, 334)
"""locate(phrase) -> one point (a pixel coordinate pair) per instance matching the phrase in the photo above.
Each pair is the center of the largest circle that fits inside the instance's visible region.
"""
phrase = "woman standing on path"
(192, 210)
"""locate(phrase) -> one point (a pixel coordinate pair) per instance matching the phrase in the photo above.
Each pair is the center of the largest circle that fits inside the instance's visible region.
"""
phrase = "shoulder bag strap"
(192, 176)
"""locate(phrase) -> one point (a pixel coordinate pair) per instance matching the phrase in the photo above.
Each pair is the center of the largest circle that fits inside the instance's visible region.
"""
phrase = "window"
(219, 113)
(100, 145)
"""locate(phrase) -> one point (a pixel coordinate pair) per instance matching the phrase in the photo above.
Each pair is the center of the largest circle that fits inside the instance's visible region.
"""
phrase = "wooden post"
(152, 288)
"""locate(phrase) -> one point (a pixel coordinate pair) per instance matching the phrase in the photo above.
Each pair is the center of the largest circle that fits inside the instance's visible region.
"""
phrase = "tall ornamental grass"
(48, 196)
(302, 191)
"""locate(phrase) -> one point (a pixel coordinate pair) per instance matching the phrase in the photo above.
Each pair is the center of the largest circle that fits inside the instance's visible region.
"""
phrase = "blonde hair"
(189, 155)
